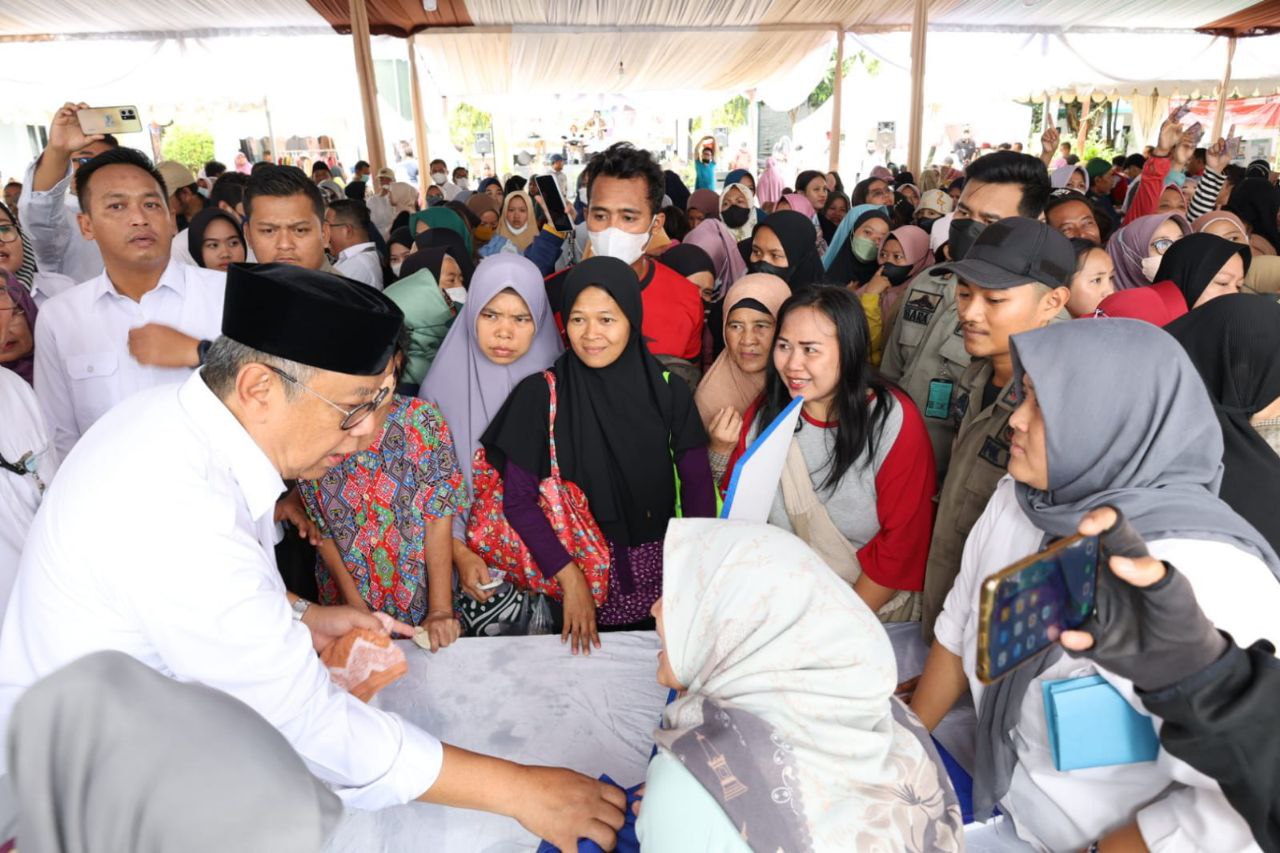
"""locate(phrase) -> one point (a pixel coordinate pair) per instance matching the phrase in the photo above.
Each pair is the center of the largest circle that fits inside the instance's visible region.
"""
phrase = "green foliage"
(827, 87)
(732, 113)
(465, 122)
(191, 148)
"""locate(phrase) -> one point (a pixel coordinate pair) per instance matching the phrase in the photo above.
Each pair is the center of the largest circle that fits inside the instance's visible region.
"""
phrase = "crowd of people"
(245, 418)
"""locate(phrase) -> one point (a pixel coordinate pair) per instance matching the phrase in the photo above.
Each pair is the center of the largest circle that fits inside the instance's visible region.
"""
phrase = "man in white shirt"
(48, 210)
(440, 177)
(176, 569)
(141, 321)
(356, 256)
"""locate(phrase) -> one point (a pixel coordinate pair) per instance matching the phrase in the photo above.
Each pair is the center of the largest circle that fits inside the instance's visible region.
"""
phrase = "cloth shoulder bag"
(811, 522)
(491, 536)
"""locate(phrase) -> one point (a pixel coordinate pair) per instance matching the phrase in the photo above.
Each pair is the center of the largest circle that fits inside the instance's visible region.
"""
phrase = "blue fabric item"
(842, 233)
(1092, 725)
(1175, 177)
(705, 175)
(961, 781)
(627, 841)
(735, 177)
(544, 251)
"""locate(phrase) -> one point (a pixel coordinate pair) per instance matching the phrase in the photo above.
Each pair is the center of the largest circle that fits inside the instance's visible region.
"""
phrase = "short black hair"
(514, 184)
(229, 189)
(281, 182)
(361, 164)
(214, 169)
(116, 157)
(1135, 161)
(259, 166)
(350, 211)
(318, 166)
(624, 161)
(1200, 153)
(1072, 160)
(1118, 161)
(110, 139)
(1234, 173)
(1012, 167)
(676, 223)
(437, 160)
(1005, 146)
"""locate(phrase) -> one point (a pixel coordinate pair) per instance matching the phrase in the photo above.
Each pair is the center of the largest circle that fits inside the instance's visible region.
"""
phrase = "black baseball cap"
(1016, 251)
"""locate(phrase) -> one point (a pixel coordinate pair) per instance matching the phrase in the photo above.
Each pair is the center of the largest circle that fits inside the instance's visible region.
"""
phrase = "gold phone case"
(96, 120)
(987, 604)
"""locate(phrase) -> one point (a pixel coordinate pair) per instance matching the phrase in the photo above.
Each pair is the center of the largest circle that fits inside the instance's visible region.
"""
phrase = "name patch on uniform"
(995, 451)
(921, 307)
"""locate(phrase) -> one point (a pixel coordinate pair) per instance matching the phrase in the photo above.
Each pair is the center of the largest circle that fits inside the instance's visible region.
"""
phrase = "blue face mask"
(1177, 177)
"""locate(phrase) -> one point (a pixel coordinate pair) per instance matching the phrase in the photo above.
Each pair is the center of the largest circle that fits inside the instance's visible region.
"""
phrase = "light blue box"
(1091, 725)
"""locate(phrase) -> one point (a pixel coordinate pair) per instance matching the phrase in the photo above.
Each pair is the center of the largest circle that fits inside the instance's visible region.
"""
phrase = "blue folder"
(1092, 725)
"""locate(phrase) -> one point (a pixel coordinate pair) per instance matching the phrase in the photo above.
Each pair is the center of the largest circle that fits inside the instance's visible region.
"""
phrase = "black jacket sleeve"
(1222, 721)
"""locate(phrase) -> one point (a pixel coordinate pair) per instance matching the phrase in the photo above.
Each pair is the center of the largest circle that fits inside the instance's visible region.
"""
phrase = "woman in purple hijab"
(505, 331)
(1137, 248)
(17, 327)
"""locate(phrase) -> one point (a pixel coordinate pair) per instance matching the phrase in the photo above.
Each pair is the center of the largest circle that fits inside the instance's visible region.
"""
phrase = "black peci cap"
(1016, 251)
(315, 318)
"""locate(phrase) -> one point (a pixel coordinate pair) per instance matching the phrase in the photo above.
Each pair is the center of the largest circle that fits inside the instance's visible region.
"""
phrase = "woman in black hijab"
(792, 234)
(215, 239)
(1204, 267)
(1233, 344)
(619, 424)
(1257, 202)
(676, 190)
(451, 242)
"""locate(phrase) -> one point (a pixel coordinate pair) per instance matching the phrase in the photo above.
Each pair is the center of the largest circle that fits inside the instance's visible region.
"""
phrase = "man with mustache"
(142, 322)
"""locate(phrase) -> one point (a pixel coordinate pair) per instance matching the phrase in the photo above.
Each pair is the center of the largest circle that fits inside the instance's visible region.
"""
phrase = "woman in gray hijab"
(1148, 444)
(106, 755)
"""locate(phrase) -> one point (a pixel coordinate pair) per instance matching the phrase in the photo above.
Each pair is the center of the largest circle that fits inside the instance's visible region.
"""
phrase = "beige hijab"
(525, 237)
(726, 384)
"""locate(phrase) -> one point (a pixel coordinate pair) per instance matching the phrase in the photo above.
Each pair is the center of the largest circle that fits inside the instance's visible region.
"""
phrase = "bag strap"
(551, 423)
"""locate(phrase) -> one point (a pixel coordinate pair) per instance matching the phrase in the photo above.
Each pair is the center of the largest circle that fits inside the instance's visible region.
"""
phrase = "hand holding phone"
(1025, 607)
(1181, 111)
(553, 202)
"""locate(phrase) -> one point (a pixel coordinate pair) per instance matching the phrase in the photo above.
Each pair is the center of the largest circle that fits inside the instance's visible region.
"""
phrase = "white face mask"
(395, 266)
(457, 295)
(438, 178)
(463, 183)
(1150, 266)
(616, 243)
(523, 228)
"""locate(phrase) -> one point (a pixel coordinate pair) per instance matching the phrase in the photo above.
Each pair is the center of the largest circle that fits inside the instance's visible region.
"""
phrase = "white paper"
(757, 474)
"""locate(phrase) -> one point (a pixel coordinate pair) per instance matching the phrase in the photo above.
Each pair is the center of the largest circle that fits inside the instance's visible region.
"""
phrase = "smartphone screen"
(1180, 112)
(550, 192)
(1025, 607)
(1197, 132)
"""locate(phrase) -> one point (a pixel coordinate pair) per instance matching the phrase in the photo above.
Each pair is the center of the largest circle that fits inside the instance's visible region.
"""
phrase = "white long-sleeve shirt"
(24, 433)
(49, 222)
(361, 263)
(157, 540)
(82, 364)
(1177, 808)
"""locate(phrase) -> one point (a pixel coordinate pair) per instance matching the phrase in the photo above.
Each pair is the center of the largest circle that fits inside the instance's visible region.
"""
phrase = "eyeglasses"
(1162, 245)
(351, 418)
(8, 234)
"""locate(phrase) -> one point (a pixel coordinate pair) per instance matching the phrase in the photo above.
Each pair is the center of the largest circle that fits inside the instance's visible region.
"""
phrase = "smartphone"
(1233, 148)
(96, 120)
(493, 584)
(1180, 112)
(550, 192)
(1196, 131)
(1025, 607)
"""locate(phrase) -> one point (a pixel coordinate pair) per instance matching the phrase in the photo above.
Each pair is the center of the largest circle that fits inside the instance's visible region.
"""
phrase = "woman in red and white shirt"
(860, 479)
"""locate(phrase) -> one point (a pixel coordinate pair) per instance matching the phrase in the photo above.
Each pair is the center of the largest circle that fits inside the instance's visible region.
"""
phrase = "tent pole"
(368, 85)
(837, 96)
(919, 30)
(1225, 92)
(419, 120)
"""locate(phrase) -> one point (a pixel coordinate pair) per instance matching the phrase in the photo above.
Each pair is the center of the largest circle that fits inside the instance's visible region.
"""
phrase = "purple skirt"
(635, 583)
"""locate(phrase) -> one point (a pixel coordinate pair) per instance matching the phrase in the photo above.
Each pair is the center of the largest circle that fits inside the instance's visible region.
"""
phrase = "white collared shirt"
(361, 263)
(24, 433)
(82, 364)
(157, 541)
(49, 222)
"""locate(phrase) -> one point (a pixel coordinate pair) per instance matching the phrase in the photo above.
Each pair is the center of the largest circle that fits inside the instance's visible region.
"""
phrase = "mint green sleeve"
(678, 814)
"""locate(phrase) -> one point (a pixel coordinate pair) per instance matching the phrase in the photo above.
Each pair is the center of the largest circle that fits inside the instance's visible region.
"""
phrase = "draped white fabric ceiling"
(693, 52)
